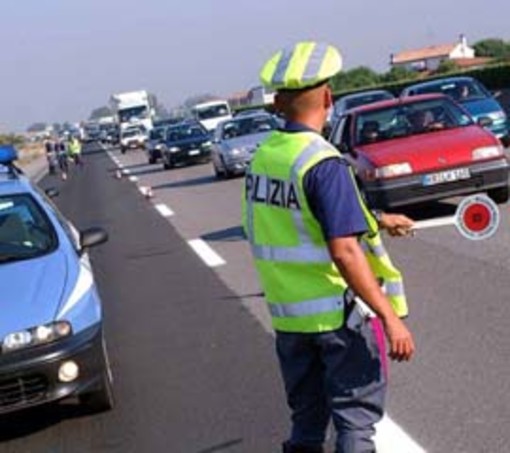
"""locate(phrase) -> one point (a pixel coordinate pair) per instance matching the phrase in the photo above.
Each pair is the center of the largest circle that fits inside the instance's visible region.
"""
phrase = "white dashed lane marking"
(388, 435)
(164, 210)
(390, 438)
(208, 255)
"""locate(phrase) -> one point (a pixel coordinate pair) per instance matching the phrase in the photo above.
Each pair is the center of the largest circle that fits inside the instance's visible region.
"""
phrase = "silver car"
(236, 140)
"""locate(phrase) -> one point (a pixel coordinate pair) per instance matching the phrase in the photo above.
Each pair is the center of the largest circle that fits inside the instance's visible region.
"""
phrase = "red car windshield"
(407, 119)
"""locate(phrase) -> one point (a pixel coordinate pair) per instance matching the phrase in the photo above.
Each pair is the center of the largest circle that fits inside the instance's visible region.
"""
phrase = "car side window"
(346, 133)
(337, 131)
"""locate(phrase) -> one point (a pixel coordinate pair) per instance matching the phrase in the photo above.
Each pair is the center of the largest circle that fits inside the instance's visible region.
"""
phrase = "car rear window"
(461, 90)
(25, 230)
(248, 126)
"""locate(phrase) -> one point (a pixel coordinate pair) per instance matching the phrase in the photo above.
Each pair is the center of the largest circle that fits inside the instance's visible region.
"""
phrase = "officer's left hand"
(396, 224)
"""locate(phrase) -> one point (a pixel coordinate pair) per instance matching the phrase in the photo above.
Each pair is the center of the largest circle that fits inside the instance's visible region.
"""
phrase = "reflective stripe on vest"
(306, 308)
(317, 254)
(377, 250)
(287, 193)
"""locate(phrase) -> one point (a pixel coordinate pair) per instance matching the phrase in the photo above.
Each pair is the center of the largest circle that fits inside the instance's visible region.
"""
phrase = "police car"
(51, 332)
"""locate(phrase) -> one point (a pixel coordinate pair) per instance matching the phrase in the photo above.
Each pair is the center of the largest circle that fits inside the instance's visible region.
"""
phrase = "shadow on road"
(29, 421)
(202, 180)
(222, 447)
(235, 233)
(425, 211)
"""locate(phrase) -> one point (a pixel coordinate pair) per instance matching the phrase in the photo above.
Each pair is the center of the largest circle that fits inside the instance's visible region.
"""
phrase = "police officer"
(74, 150)
(331, 288)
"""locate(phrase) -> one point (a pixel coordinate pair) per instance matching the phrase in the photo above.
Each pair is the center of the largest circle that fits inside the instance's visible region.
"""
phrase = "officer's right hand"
(400, 340)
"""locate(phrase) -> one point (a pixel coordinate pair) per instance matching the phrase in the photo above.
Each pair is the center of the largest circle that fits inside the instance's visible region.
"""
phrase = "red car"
(420, 148)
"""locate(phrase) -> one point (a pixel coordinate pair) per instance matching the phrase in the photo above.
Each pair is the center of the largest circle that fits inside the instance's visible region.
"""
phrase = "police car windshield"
(25, 231)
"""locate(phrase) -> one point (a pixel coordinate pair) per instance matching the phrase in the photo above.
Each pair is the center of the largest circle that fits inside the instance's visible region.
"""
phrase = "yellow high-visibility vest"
(303, 287)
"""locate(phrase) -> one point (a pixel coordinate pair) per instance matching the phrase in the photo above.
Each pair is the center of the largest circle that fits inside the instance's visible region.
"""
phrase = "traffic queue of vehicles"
(406, 150)
(51, 329)
(457, 151)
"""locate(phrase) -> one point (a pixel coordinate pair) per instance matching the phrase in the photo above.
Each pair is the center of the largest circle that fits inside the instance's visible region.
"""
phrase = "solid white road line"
(390, 438)
(164, 210)
(208, 255)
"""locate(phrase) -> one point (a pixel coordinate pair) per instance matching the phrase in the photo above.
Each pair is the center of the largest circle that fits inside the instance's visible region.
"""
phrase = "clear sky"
(62, 58)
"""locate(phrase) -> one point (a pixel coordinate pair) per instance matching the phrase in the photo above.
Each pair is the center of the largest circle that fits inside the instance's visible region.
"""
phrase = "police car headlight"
(234, 151)
(174, 149)
(206, 144)
(38, 335)
(486, 152)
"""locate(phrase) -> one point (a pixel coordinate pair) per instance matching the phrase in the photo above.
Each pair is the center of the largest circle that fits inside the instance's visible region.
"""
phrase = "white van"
(211, 113)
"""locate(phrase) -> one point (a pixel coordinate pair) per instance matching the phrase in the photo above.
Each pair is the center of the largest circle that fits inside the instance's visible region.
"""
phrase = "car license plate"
(193, 152)
(446, 176)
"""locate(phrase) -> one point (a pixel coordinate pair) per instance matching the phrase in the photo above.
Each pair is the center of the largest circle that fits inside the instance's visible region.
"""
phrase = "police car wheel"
(123, 150)
(152, 160)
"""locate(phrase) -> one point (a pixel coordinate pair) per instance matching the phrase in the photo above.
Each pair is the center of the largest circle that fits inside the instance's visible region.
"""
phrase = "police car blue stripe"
(315, 61)
(306, 308)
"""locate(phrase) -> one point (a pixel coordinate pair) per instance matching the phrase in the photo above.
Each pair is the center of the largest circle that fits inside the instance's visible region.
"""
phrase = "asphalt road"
(191, 347)
(193, 371)
(454, 397)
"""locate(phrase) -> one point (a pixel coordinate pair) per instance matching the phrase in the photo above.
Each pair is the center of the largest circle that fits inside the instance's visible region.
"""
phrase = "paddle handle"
(432, 223)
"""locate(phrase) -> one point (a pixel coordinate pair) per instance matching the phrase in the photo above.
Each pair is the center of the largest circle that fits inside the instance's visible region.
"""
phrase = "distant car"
(475, 98)
(350, 101)
(421, 148)
(236, 140)
(249, 112)
(185, 143)
(132, 137)
(109, 134)
(155, 143)
(51, 329)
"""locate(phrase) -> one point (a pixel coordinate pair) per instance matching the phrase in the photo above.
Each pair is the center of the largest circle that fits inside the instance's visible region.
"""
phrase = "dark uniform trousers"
(338, 376)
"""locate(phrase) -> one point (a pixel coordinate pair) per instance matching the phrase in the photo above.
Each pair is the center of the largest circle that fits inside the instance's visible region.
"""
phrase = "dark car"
(418, 149)
(353, 100)
(155, 143)
(185, 143)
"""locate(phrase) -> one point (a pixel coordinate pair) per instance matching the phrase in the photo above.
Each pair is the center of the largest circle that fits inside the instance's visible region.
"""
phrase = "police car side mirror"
(92, 237)
(51, 192)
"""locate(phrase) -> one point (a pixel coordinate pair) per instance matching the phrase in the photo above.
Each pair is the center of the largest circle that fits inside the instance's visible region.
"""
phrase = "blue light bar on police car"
(8, 154)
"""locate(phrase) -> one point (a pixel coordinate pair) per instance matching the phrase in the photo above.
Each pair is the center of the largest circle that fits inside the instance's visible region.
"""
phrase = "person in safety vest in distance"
(330, 286)
(74, 150)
